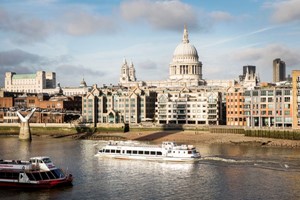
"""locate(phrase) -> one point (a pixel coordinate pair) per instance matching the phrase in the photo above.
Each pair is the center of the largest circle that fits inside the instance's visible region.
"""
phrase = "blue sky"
(91, 38)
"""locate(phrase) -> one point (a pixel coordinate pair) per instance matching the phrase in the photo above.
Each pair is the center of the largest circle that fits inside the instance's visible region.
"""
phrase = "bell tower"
(132, 72)
(124, 77)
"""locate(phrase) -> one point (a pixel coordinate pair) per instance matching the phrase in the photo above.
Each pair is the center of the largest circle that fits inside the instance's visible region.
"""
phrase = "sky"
(90, 39)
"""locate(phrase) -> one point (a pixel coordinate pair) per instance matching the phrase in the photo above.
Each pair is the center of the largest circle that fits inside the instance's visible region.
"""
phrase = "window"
(286, 99)
(278, 92)
(287, 92)
(270, 99)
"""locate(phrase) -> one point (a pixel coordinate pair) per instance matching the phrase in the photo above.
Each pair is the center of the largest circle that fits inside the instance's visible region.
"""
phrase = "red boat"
(38, 172)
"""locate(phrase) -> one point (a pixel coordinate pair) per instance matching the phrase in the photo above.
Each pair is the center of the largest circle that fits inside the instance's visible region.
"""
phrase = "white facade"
(81, 90)
(41, 82)
(185, 64)
(29, 83)
(188, 106)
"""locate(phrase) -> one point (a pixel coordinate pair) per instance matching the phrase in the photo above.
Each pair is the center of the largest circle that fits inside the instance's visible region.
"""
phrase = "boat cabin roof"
(39, 157)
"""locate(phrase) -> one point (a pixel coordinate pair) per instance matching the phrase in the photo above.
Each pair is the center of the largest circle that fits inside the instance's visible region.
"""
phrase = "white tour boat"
(38, 172)
(168, 151)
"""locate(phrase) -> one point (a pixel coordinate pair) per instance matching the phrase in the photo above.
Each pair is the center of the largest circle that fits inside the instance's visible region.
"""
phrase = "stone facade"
(118, 105)
(29, 83)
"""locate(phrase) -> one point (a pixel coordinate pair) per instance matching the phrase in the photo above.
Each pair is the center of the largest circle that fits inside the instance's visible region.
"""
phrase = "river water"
(224, 172)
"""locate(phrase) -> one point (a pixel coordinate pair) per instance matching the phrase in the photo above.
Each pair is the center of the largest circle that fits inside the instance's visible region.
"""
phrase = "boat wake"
(263, 164)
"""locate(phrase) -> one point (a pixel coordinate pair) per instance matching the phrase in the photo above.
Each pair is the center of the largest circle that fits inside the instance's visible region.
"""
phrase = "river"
(224, 172)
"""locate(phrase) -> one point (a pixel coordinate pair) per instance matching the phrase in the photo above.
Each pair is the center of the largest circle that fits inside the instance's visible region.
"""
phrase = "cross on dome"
(185, 38)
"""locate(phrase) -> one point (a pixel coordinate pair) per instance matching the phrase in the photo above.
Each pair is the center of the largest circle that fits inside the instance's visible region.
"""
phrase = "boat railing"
(129, 144)
(14, 162)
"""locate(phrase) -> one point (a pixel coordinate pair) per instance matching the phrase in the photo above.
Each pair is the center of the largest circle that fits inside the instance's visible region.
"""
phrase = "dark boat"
(38, 172)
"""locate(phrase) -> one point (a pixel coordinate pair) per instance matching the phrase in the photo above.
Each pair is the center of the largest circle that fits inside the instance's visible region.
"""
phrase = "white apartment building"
(188, 106)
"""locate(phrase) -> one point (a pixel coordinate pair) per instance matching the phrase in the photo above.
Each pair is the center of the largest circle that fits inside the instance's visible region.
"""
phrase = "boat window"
(134, 152)
(15, 175)
(37, 176)
(147, 152)
(159, 153)
(129, 151)
(40, 161)
(141, 152)
(9, 175)
(44, 176)
(152, 152)
(123, 151)
(46, 160)
(100, 151)
(189, 152)
(50, 175)
(2, 175)
(58, 173)
(106, 150)
(118, 151)
(113, 151)
(30, 176)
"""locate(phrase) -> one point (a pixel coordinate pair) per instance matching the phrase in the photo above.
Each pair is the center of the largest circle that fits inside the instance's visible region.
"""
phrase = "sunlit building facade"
(269, 106)
(29, 83)
(118, 105)
(296, 98)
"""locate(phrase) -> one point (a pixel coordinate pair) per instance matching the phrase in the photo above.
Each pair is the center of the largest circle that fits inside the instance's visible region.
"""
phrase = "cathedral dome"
(82, 83)
(185, 51)
(185, 65)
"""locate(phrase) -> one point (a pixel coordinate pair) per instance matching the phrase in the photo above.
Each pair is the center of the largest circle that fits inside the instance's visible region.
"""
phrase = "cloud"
(83, 22)
(241, 36)
(27, 29)
(18, 57)
(286, 11)
(70, 70)
(147, 65)
(270, 52)
(23, 62)
(69, 74)
(167, 15)
(220, 16)
(263, 58)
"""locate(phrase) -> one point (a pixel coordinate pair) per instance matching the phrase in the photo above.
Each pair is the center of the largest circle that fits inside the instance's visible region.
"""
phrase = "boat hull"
(37, 184)
(150, 158)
